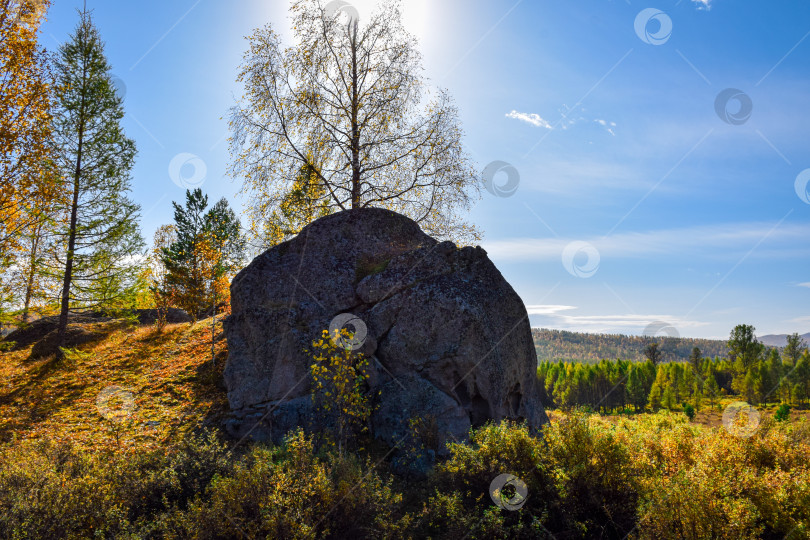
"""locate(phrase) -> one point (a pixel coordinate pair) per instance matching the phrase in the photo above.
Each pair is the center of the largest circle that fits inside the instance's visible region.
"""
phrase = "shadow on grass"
(176, 382)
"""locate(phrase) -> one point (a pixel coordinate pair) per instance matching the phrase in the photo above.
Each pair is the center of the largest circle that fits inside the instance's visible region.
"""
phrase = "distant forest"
(554, 345)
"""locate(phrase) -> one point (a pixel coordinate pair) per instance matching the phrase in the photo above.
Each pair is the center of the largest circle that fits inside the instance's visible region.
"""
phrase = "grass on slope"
(134, 388)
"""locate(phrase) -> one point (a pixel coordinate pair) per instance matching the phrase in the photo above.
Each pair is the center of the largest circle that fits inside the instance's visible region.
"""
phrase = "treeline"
(751, 371)
(552, 345)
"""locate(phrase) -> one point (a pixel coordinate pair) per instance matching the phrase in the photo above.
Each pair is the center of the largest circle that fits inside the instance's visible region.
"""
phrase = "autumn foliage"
(27, 183)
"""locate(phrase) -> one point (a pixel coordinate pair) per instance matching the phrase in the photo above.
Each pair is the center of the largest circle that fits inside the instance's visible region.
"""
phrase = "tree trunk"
(213, 320)
(355, 127)
(29, 286)
(63, 315)
(74, 211)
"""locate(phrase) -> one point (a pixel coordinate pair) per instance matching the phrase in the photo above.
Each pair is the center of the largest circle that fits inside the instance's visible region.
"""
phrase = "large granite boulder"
(447, 337)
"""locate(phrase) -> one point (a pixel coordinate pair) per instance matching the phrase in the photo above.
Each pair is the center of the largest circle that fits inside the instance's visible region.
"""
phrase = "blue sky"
(641, 197)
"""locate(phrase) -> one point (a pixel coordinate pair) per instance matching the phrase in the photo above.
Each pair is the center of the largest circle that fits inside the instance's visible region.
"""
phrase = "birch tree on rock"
(348, 104)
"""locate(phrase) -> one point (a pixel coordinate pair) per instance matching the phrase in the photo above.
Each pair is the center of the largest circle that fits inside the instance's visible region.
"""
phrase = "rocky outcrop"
(150, 316)
(447, 337)
(74, 337)
(41, 328)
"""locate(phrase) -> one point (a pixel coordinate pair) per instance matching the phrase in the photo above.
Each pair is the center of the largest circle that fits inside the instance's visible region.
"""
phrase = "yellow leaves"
(27, 185)
(338, 378)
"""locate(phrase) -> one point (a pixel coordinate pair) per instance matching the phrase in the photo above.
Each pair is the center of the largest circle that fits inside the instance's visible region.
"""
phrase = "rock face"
(448, 338)
(44, 330)
(74, 336)
(173, 316)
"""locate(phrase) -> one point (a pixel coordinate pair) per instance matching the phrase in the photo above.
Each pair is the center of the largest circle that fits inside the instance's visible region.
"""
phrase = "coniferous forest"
(748, 370)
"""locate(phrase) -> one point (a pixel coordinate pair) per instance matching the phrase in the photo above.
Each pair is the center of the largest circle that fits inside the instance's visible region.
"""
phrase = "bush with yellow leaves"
(339, 389)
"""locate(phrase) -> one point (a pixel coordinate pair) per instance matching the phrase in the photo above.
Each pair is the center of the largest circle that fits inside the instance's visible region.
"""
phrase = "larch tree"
(347, 104)
(99, 248)
(635, 389)
(303, 203)
(712, 389)
(696, 360)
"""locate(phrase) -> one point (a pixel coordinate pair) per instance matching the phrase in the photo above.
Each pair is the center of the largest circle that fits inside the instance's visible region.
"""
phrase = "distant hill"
(780, 340)
(575, 346)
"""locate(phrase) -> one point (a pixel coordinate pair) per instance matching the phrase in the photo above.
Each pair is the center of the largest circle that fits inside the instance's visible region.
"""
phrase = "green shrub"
(289, 492)
(689, 411)
(705, 483)
(782, 413)
(157, 482)
(495, 449)
(649, 476)
(448, 516)
(50, 490)
(593, 477)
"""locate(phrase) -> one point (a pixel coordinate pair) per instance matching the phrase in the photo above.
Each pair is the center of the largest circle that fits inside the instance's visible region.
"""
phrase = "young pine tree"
(97, 247)
(182, 259)
(209, 247)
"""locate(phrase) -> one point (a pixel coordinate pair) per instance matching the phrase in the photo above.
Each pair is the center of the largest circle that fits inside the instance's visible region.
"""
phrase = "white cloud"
(611, 324)
(546, 309)
(607, 125)
(533, 119)
(703, 4)
(805, 284)
(731, 239)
